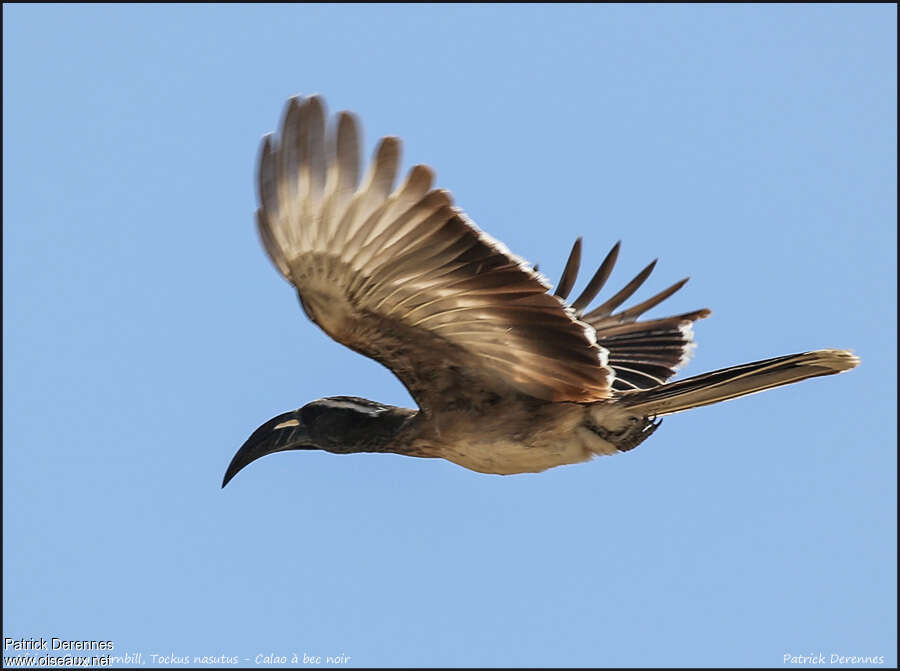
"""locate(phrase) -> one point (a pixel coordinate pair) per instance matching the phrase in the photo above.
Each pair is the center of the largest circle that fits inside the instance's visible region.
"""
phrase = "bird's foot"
(638, 430)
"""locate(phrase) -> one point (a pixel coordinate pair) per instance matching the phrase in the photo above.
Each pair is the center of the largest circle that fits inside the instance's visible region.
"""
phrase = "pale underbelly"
(557, 434)
(509, 458)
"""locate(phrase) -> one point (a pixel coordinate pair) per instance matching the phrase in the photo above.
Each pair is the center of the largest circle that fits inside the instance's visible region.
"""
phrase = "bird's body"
(508, 377)
(517, 435)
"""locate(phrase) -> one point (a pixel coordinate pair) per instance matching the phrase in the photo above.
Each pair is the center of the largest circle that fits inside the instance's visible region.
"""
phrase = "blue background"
(146, 334)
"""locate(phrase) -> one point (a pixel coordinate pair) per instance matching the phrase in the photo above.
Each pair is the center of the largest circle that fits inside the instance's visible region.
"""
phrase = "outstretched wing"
(404, 277)
(643, 354)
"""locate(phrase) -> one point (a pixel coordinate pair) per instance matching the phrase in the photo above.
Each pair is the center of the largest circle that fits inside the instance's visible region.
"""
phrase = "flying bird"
(508, 377)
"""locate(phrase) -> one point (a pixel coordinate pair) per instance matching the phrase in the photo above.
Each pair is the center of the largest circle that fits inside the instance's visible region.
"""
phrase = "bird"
(508, 376)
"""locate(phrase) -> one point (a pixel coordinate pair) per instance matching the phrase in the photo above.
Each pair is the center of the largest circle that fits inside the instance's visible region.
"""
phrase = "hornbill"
(508, 377)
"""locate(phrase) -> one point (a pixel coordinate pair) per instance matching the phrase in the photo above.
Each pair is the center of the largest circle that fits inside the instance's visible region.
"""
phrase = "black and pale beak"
(279, 434)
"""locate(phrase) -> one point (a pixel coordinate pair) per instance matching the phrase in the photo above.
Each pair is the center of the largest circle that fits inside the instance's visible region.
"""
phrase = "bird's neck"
(385, 433)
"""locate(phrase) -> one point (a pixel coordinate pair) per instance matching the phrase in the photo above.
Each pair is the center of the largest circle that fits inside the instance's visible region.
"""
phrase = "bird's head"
(339, 424)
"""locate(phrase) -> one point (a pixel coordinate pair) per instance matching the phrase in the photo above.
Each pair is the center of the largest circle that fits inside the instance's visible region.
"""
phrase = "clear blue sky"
(146, 334)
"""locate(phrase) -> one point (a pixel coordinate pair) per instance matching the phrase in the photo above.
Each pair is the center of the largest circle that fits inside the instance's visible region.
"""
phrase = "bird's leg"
(638, 430)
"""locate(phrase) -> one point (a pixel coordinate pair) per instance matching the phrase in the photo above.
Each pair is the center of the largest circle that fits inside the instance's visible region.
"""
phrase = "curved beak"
(277, 435)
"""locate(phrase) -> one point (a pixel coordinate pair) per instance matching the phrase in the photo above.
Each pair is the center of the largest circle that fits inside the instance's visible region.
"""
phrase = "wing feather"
(405, 277)
(570, 272)
(642, 354)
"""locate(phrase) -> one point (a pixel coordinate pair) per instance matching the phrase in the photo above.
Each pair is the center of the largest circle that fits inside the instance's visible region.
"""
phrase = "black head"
(339, 424)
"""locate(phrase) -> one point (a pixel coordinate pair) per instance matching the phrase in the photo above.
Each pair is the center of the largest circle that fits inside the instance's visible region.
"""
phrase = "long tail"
(728, 383)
